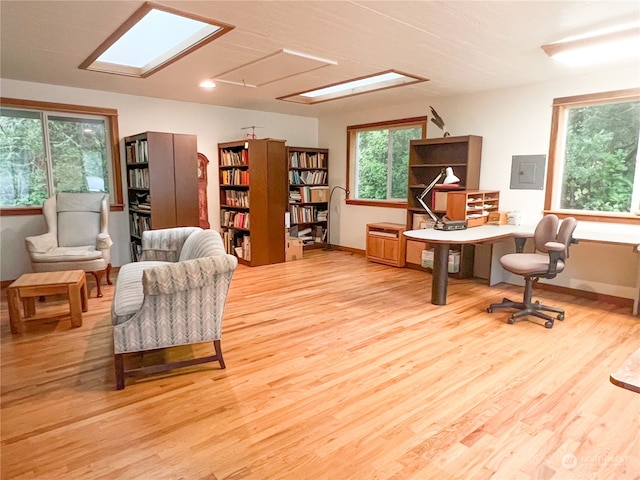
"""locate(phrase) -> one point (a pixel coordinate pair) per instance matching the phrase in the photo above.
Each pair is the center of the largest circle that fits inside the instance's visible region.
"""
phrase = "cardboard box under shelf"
(454, 261)
(294, 249)
(319, 194)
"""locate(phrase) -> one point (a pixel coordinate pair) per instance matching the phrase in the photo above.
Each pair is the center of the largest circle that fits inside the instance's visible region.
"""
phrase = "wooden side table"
(386, 243)
(628, 375)
(31, 285)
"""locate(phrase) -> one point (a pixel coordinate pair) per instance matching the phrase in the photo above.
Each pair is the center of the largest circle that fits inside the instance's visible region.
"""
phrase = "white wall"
(211, 124)
(513, 121)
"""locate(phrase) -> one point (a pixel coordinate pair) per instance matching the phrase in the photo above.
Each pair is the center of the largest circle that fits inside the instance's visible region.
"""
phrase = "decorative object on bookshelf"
(449, 179)
(439, 122)
(328, 245)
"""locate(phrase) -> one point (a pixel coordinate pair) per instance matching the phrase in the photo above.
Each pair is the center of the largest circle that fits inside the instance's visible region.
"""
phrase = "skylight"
(357, 86)
(152, 38)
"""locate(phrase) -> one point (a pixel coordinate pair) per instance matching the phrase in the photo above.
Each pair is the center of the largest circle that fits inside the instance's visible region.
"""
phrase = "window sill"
(623, 218)
(19, 211)
(377, 203)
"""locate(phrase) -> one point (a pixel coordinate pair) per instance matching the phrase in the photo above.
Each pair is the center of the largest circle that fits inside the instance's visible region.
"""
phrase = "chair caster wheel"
(548, 324)
(489, 310)
(511, 321)
(560, 316)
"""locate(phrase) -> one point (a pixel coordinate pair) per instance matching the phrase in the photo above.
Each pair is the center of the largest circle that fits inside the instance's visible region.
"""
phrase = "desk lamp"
(449, 178)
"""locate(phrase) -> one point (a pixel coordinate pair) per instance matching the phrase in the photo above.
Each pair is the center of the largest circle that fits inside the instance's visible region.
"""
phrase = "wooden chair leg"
(119, 365)
(218, 348)
(109, 282)
(98, 276)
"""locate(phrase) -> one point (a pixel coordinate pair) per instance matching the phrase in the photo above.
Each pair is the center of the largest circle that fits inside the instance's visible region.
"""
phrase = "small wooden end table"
(31, 285)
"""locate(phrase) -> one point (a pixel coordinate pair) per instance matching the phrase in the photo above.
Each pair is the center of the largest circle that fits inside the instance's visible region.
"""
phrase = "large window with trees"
(378, 159)
(49, 148)
(594, 167)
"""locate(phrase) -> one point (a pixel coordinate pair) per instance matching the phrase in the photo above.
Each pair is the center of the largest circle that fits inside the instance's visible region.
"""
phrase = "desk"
(628, 375)
(587, 232)
(442, 241)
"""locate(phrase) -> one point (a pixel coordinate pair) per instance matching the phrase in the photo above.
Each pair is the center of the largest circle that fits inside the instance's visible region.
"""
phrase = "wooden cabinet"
(162, 183)
(386, 243)
(253, 199)
(309, 194)
(429, 157)
(474, 206)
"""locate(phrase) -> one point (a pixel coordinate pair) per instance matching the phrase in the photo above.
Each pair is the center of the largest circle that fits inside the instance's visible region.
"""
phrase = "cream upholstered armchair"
(174, 296)
(77, 236)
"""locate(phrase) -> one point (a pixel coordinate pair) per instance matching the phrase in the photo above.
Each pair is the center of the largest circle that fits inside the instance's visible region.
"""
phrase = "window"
(594, 168)
(378, 159)
(49, 148)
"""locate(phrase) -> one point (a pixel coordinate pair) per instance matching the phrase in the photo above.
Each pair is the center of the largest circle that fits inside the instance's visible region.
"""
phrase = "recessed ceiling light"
(152, 38)
(604, 46)
(208, 84)
(357, 86)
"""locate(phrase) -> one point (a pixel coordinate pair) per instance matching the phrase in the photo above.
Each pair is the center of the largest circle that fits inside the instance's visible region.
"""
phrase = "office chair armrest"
(555, 252)
(521, 239)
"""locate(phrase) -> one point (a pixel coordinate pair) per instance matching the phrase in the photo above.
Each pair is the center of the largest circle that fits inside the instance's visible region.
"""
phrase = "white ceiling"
(461, 46)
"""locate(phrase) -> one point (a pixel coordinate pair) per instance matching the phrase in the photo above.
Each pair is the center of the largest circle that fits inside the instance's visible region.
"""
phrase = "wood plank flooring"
(337, 368)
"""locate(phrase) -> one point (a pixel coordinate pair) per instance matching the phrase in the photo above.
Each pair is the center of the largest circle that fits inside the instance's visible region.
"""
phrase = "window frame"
(352, 131)
(62, 108)
(556, 146)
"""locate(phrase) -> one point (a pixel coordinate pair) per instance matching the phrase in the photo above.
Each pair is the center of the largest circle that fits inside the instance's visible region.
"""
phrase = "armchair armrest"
(165, 244)
(41, 243)
(103, 241)
(187, 275)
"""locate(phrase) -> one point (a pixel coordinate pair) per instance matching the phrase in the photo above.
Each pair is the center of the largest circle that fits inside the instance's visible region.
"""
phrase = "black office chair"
(551, 250)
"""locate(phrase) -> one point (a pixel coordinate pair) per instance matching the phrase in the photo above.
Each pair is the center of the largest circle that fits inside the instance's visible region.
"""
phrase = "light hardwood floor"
(336, 369)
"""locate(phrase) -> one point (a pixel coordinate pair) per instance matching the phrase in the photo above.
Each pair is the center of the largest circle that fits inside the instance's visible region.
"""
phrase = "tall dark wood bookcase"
(253, 199)
(162, 183)
(309, 193)
(428, 158)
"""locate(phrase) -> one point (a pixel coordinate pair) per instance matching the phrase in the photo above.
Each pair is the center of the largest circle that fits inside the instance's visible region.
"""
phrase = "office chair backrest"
(565, 235)
(546, 231)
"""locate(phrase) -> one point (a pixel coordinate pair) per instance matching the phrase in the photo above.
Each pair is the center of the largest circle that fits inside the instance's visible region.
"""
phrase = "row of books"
(235, 176)
(137, 152)
(309, 235)
(306, 214)
(229, 218)
(238, 245)
(139, 223)
(139, 178)
(235, 198)
(307, 160)
(234, 157)
(310, 177)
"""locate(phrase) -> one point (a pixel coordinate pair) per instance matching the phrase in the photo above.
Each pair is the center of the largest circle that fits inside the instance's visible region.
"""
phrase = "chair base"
(121, 373)
(528, 308)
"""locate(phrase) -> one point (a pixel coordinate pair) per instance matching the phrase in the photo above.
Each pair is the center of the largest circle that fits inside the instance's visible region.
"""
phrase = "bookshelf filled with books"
(253, 199)
(308, 194)
(162, 169)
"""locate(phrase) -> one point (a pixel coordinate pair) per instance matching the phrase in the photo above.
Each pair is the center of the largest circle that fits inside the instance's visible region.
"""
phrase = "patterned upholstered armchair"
(174, 296)
(77, 236)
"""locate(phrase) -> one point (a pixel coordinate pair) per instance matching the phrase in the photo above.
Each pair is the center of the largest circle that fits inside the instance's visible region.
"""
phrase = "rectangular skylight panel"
(152, 37)
(353, 85)
(357, 86)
